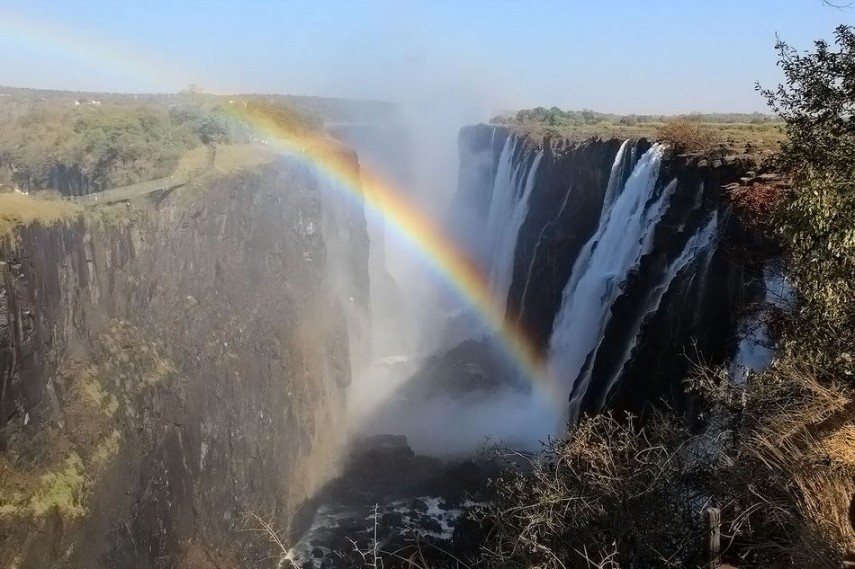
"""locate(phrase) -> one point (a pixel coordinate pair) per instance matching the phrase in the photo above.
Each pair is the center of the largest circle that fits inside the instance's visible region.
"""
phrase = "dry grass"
(20, 209)
(787, 490)
(736, 138)
(777, 458)
(608, 495)
(688, 136)
(839, 446)
(223, 158)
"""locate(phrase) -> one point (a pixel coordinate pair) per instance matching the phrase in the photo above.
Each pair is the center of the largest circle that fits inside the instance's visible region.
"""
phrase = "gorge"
(177, 360)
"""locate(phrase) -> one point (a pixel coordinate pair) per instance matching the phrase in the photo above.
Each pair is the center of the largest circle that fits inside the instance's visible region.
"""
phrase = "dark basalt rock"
(697, 316)
(418, 505)
(210, 323)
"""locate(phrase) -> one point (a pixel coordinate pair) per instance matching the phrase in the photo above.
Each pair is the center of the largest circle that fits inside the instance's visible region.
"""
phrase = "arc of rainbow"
(462, 275)
(460, 272)
(43, 36)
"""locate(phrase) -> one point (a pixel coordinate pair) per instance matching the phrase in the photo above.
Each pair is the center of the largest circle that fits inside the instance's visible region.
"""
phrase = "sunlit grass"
(20, 209)
(224, 158)
(736, 137)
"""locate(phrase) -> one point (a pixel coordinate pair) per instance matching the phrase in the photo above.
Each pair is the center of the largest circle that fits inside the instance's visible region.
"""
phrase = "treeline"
(558, 117)
(85, 145)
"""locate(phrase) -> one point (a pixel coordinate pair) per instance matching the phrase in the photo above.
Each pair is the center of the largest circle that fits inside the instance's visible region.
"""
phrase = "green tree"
(815, 220)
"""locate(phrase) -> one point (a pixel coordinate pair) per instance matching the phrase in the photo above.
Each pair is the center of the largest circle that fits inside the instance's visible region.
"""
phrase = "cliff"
(564, 185)
(172, 363)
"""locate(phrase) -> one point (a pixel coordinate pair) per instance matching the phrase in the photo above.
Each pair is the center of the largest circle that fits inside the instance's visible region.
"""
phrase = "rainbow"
(399, 215)
(43, 37)
(461, 273)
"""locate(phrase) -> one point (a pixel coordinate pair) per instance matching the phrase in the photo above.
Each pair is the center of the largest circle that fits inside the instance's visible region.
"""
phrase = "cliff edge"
(171, 364)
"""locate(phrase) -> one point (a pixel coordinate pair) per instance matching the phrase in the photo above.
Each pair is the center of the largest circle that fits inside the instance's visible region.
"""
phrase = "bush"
(82, 149)
(62, 491)
(785, 487)
(608, 495)
(687, 135)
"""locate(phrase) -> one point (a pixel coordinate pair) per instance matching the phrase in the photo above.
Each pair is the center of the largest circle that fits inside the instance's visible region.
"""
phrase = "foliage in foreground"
(610, 494)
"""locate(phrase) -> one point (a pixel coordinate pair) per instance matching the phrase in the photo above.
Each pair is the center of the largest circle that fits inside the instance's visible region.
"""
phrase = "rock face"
(648, 351)
(172, 367)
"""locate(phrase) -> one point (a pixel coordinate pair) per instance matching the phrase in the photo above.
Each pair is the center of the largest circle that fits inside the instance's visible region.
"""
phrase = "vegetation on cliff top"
(749, 133)
(80, 146)
(776, 454)
(18, 209)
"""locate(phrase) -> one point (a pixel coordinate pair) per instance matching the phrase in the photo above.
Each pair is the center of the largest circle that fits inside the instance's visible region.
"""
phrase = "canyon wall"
(172, 364)
(613, 256)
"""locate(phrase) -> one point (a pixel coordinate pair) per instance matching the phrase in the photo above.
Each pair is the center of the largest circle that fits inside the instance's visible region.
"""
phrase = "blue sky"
(652, 56)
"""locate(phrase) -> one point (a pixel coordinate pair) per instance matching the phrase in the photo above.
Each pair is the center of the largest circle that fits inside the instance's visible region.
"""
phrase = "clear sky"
(650, 56)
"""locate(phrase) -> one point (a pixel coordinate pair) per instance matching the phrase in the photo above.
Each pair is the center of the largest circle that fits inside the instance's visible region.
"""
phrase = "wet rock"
(467, 537)
(383, 444)
(392, 519)
(211, 294)
(414, 500)
(430, 524)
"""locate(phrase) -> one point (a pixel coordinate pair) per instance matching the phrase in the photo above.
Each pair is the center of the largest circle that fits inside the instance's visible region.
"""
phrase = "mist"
(415, 315)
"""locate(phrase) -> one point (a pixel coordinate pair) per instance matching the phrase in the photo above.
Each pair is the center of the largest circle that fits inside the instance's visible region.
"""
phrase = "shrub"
(61, 490)
(19, 209)
(786, 485)
(756, 205)
(610, 494)
(687, 135)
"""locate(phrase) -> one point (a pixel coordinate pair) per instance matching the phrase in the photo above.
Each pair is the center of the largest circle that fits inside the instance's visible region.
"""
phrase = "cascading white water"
(513, 181)
(615, 180)
(501, 198)
(623, 236)
(700, 244)
(502, 265)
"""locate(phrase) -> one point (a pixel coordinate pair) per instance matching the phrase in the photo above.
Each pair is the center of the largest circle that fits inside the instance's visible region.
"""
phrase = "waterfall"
(496, 242)
(700, 244)
(615, 180)
(624, 235)
(514, 180)
(502, 263)
(500, 197)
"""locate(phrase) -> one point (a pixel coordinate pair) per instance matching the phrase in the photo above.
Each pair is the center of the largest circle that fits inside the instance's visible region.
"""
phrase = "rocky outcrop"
(170, 365)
